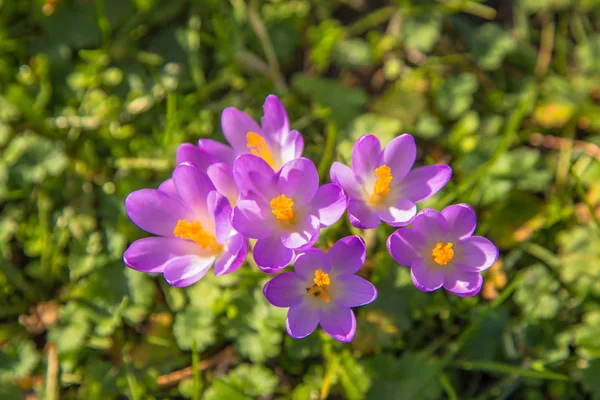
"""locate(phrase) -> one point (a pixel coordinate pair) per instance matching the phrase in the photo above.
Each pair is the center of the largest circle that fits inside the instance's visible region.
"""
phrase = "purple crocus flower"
(322, 289)
(381, 185)
(273, 141)
(440, 250)
(192, 223)
(284, 210)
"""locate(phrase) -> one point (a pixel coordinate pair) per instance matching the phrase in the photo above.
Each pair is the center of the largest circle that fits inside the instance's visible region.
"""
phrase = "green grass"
(96, 95)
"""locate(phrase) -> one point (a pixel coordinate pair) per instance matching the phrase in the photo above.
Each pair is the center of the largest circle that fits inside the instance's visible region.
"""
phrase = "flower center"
(281, 207)
(319, 289)
(194, 231)
(258, 146)
(442, 253)
(382, 184)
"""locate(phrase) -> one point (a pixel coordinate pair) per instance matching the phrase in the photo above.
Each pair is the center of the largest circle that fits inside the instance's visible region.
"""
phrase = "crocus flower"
(192, 223)
(273, 141)
(284, 210)
(440, 250)
(322, 289)
(381, 185)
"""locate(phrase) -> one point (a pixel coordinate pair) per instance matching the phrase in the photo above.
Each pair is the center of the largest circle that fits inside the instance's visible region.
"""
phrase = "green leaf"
(590, 375)
(194, 324)
(421, 32)
(490, 45)
(354, 53)
(353, 378)
(455, 96)
(17, 359)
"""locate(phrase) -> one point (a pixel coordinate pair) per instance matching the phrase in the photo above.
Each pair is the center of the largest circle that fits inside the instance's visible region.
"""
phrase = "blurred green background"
(95, 97)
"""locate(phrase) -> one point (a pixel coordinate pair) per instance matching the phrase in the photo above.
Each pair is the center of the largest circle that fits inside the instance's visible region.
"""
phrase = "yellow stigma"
(442, 253)
(382, 184)
(281, 207)
(194, 231)
(258, 146)
(319, 289)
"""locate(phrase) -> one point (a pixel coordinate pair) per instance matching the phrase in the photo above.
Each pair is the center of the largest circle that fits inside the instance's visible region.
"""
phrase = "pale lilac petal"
(311, 260)
(302, 233)
(220, 212)
(188, 153)
(184, 271)
(400, 155)
(155, 211)
(168, 187)
(475, 254)
(193, 187)
(271, 255)
(255, 178)
(361, 215)
(218, 151)
(302, 320)
(430, 224)
(399, 214)
(344, 176)
(329, 204)
(253, 220)
(425, 279)
(284, 290)
(308, 245)
(274, 121)
(461, 220)
(406, 245)
(423, 182)
(366, 157)
(233, 255)
(236, 124)
(347, 255)
(462, 283)
(152, 253)
(292, 146)
(353, 291)
(299, 180)
(221, 176)
(339, 322)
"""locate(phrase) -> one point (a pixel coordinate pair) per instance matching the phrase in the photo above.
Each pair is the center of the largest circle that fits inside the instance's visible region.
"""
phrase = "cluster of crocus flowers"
(259, 187)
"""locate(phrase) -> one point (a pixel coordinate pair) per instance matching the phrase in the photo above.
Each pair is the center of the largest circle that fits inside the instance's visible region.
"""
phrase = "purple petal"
(184, 271)
(255, 178)
(329, 204)
(299, 180)
(292, 146)
(353, 291)
(405, 245)
(236, 125)
(423, 182)
(462, 283)
(400, 155)
(430, 224)
(361, 215)
(188, 153)
(302, 234)
(302, 320)
(221, 175)
(461, 220)
(220, 213)
(399, 214)
(218, 151)
(156, 212)
(366, 156)
(344, 176)
(274, 121)
(347, 255)
(193, 187)
(311, 260)
(271, 255)
(425, 279)
(152, 253)
(476, 254)
(284, 290)
(168, 187)
(233, 255)
(253, 220)
(339, 322)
